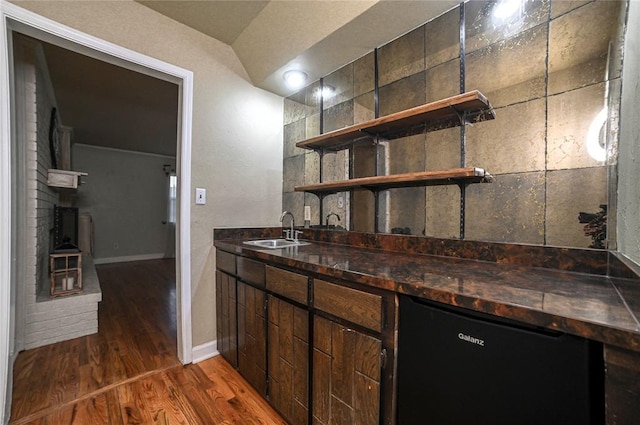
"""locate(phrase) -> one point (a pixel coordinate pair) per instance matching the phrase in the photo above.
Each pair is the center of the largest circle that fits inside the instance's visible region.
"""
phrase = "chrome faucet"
(329, 216)
(290, 235)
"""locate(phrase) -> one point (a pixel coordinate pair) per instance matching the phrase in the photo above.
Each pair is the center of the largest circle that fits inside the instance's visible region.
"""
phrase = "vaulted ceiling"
(317, 36)
(269, 38)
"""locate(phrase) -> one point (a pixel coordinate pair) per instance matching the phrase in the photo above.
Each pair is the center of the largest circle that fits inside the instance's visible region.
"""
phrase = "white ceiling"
(317, 36)
(222, 20)
(111, 106)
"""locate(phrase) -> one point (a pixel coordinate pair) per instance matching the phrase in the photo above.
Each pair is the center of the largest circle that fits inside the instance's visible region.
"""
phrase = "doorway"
(15, 19)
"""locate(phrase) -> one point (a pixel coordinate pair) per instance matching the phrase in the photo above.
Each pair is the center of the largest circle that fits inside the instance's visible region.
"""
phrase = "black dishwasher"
(459, 367)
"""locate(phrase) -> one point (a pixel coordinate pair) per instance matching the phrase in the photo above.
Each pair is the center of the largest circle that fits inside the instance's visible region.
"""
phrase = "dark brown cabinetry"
(313, 348)
(288, 342)
(346, 375)
(347, 362)
(352, 332)
(359, 307)
(622, 385)
(226, 320)
(252, 341)
(290, 285)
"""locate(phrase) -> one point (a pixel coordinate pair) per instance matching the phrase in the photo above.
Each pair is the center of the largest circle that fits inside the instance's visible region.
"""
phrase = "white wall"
(126, 194)
(629, 150)
(236, 135)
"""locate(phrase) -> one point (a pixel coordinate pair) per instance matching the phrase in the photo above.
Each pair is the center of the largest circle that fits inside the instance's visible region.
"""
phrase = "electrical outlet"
(307, 213)
(201, 196)
(340, 202)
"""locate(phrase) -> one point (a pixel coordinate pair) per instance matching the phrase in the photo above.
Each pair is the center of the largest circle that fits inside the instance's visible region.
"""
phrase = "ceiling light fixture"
(295, 78)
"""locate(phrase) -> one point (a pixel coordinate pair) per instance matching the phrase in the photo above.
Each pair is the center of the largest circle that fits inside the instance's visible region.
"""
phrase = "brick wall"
(46, 197)
(47, 320)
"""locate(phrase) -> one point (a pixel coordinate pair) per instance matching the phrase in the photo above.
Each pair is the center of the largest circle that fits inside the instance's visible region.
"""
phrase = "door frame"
(15, 18)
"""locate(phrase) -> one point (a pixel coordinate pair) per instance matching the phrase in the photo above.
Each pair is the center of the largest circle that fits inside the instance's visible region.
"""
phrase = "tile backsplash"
(548, 71)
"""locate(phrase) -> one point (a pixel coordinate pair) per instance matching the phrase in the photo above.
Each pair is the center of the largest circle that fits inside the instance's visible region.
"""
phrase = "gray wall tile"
(511, 209)
(403, 94)
(483, 27)
(402, 57)
(443, 81)
(443, 149)
(443, 212)
(293, 133)
(534, 147)
(293, 173)
(338, 116)
(570, 192)
(340, 85)
(514, 142)
(442, 38)
(579, 46)
(364, 74)
(519, 80)
(364, 108)
(571, 115)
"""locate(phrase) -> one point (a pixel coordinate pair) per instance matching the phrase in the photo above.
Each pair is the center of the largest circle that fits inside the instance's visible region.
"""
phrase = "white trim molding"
(16, 18)
(205, 351)
(5, 222)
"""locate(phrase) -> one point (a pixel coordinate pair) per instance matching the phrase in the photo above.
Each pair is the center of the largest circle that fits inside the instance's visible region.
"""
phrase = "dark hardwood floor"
(129, 373)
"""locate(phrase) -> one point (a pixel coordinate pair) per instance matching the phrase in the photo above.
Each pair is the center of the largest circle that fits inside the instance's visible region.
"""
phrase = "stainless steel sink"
(275, 243)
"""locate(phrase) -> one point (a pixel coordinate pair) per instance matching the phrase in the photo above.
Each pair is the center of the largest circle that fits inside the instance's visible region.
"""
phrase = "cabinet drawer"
(291, 285)
(251, 271)
(226, 261)
(359, 307)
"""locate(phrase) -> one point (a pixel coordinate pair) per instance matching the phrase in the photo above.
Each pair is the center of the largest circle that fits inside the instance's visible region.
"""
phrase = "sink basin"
(275, 243)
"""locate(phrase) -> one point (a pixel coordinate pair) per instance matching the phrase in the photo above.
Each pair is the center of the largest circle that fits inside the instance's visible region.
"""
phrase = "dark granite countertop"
(595, 306)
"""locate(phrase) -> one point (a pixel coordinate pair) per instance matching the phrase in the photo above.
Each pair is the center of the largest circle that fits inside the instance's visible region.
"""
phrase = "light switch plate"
(201, 196)
(307, 213)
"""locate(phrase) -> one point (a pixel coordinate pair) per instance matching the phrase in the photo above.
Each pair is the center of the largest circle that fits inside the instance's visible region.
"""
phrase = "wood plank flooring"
(128, 373)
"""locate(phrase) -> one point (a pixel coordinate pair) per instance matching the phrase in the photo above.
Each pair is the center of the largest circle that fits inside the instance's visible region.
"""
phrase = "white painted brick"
(64, 322)
(62, 318)
(42, 342)
(40, 316)
(41, 339)
(87, 325)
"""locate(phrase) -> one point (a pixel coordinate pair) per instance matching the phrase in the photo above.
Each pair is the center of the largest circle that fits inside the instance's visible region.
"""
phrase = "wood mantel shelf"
(425, 178)
(445, 113)
(64, 178)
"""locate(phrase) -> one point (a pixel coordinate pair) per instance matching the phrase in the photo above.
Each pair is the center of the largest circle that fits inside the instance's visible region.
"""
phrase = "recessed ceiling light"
(295, 78)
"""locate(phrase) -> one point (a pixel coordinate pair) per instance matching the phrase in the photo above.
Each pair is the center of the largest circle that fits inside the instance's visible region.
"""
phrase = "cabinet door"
(288, 336)
(622, 385)
(226, 317)
(252, 343)
(346, 375)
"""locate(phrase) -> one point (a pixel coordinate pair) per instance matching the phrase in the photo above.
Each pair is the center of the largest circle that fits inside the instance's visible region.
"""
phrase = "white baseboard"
(125, 259)
(205, 351)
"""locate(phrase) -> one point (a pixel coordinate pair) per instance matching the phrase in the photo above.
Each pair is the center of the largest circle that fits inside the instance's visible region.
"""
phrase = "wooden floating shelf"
(441, 114)
(425, 178)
